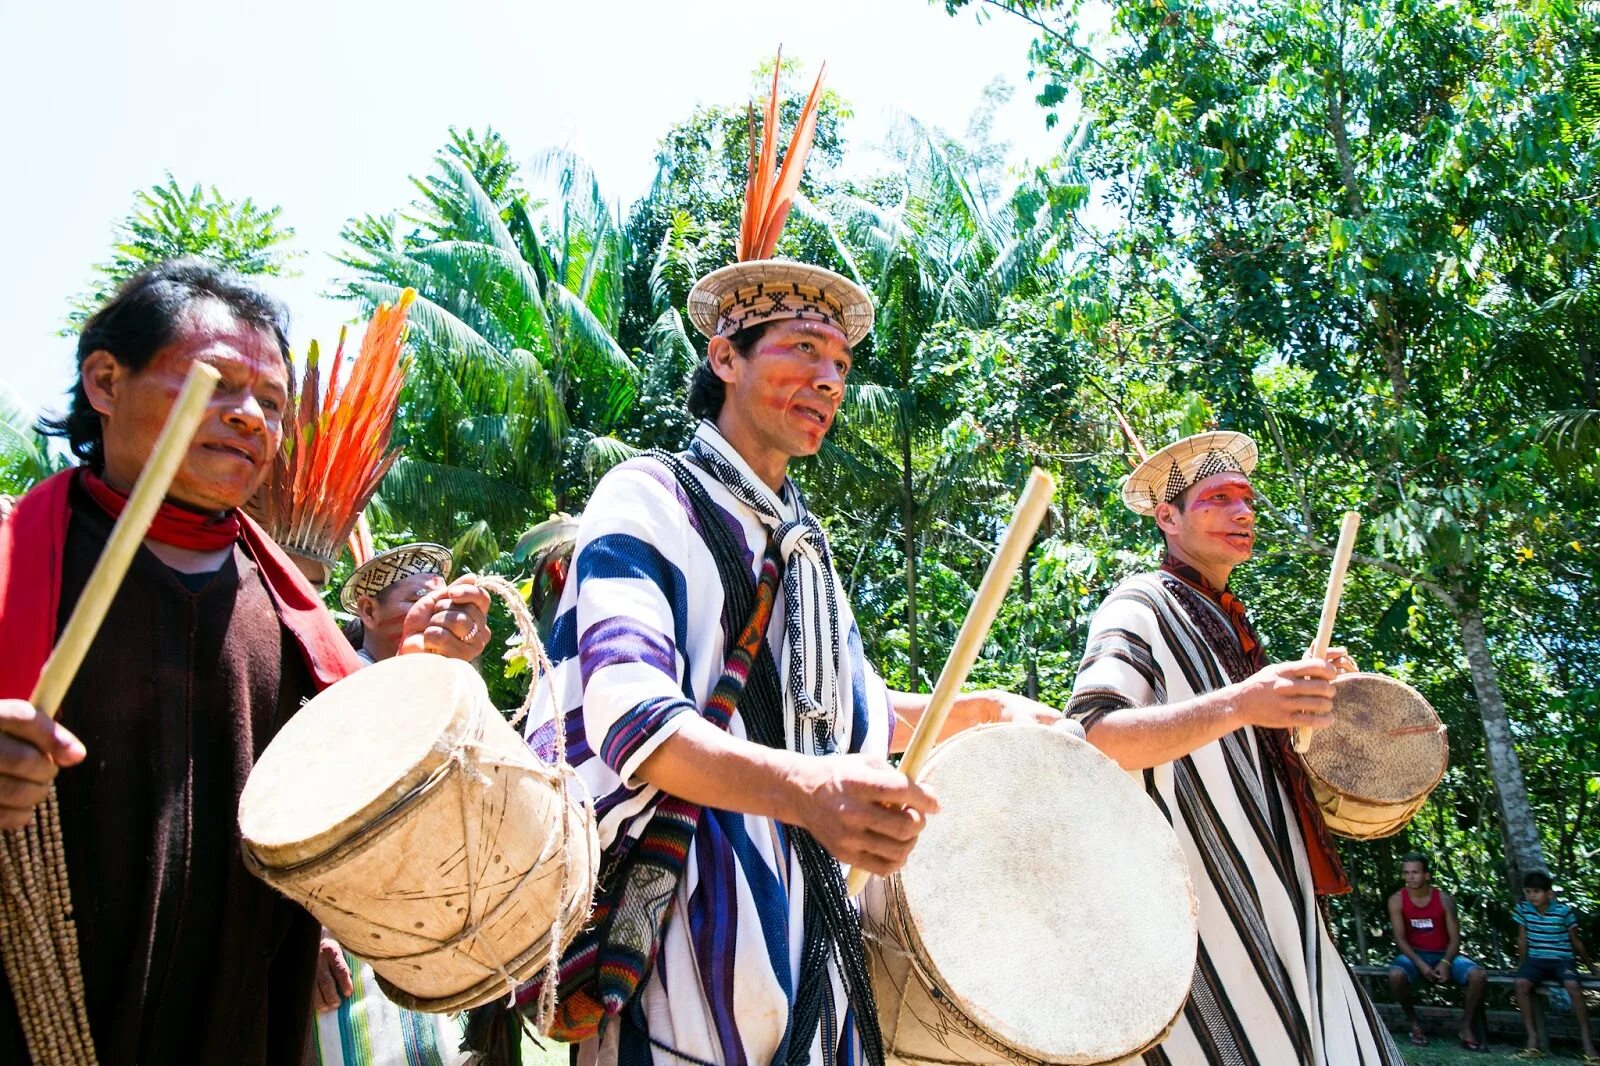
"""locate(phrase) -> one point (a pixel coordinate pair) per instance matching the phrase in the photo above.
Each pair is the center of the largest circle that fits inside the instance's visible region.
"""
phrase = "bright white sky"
(326, 106)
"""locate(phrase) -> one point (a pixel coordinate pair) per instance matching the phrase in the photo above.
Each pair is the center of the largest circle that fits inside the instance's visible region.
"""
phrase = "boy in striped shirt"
(1547, 938)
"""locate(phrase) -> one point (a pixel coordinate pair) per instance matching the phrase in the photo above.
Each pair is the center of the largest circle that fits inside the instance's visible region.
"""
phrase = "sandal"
(1529, 1053)
(1468, 1044)
(1418, 1037)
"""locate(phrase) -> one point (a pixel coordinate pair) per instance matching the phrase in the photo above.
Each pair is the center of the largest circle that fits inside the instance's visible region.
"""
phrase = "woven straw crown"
(1166, 474)
(769, 290)
(396, 564)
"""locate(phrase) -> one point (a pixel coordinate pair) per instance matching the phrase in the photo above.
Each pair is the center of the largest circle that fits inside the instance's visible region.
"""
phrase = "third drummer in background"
(1175, 684)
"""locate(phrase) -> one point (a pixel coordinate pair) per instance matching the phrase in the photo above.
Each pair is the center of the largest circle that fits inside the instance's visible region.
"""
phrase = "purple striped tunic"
(637, 647)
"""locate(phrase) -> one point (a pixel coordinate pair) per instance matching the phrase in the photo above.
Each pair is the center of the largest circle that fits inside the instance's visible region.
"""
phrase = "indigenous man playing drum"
(639, 647)
(758, 955)
(1175, 685)
(212, 641)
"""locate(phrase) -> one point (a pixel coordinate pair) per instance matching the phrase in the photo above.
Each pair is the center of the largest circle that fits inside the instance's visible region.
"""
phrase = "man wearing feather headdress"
(1175, 686)
(212, 641)
(735, 763)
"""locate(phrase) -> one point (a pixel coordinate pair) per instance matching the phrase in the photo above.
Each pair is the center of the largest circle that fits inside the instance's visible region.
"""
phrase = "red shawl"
(32, 549)
(1327, 872)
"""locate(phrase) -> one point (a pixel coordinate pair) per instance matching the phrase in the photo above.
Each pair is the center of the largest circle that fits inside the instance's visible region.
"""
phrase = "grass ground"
(1442, 1053)
(552, 1054)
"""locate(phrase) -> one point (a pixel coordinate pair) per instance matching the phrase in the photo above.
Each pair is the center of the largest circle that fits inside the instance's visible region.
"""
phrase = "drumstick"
(126, 536)
(1330, 605)
(1036, 496)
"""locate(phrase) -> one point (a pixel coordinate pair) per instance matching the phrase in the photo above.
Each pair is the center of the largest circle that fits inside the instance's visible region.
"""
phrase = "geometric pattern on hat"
(769, 290)
(396, 564)
(1171, 471)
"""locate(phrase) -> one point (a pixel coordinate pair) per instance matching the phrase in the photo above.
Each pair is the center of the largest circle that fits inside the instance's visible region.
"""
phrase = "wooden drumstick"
(1330, 605)
(129, 532)
(1030, 511)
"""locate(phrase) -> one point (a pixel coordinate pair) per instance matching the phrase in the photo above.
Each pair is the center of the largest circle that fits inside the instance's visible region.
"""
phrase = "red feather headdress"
(336, 443)
(759, 288)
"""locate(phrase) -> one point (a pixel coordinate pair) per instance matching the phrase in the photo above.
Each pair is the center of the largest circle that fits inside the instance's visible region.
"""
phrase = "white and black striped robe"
(1270, 988)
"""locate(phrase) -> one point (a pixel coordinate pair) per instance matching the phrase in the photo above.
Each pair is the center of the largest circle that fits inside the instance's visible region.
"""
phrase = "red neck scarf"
(1327, 872)
(174, 526)
(33, 550)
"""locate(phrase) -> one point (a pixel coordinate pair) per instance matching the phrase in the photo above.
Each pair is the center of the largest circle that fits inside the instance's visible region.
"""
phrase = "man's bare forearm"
(909, 707)
(1141, 737)
(708, 766)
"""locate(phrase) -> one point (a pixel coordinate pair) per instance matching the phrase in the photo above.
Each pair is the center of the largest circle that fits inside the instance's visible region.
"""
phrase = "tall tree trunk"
(1031, 685)
(908, 532)
(1524, 853)
(1591, 379)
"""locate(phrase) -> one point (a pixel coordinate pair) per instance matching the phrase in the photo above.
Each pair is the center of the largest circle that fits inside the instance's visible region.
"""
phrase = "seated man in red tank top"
(1429, 938)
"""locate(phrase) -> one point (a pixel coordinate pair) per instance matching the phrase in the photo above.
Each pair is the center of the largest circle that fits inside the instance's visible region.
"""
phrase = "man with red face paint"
(715, 699)
(213, 640)
(1176, 687)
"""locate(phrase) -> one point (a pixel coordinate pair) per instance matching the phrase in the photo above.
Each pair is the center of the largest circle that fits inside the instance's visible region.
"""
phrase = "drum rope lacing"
(465, 759)
(534, 648)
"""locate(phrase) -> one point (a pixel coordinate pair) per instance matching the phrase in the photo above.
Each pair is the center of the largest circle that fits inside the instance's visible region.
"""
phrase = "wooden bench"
(1506, 1024)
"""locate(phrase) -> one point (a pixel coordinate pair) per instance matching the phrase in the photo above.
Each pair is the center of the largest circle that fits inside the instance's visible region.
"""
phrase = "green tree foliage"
(516, 364)
(167, 222)
(25, 455)
(1364, 232)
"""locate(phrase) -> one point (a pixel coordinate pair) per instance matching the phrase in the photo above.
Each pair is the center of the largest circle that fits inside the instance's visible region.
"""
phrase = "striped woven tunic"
(1270, 988)
(368, 1030)
(638, 646)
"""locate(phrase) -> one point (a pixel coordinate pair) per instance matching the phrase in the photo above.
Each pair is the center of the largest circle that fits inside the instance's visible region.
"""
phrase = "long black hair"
(142, 318)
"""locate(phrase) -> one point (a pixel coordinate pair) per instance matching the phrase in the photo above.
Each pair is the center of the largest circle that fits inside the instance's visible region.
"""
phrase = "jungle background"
(1363, 231)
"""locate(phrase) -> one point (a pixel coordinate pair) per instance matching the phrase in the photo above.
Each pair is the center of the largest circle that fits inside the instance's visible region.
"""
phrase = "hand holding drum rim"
(865, 812)
(1292, 695)
(998, 705)
(33, 747)
(1341, 660)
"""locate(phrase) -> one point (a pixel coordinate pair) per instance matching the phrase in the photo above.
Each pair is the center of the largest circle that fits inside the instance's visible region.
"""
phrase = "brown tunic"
(187, 958)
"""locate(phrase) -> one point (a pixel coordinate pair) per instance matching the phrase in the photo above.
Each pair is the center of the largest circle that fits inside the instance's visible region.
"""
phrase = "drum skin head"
(351, 750)
(1050, 899)
(1385, 745)
(409, 818)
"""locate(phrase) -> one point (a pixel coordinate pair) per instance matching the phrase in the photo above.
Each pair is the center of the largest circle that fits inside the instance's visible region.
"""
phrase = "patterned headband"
(772, 301)
(1209, 465)
(396, 564)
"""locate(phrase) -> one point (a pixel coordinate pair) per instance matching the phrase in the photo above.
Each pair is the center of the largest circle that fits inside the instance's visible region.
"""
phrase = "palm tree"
(941, 254)
(25, 454)
(516, 366)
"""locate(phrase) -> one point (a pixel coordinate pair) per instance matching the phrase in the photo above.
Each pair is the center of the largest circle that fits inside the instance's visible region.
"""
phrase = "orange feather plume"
(771, 189)
(336, 443)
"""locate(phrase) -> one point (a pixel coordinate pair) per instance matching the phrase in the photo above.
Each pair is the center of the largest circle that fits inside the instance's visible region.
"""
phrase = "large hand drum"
(401, 810)
(1374, 765)
(1046, 915)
